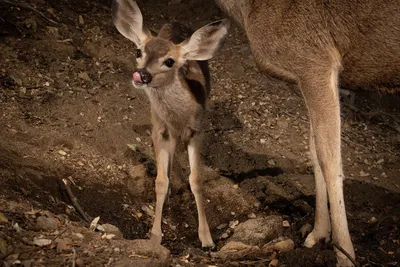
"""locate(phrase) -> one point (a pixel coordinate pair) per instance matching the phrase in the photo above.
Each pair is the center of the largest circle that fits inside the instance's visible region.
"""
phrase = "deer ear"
(128, 20)
(203, 43)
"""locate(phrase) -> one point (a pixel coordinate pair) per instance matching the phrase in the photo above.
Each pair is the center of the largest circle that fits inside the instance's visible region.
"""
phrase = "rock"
(252, 216)
(285, 224)
(258, 231)
(79, 262)
(80, 20)
(111, 229)
(284, 246)
(234, 246)
(46, 224)
(145, 253)
(273, 263)
(235, 250)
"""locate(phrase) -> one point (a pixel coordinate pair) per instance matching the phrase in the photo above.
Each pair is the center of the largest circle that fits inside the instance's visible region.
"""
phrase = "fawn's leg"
(322, 98)
(164, 146)
(196, 185)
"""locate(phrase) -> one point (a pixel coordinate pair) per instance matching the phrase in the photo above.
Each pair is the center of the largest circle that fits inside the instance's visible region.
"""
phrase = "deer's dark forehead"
(157, 48)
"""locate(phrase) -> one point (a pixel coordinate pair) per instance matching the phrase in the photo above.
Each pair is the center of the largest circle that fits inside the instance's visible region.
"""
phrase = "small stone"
(285, 224)
(224, 236)
(273, 263)
(364, 174)
(80, 20)
(263, 141)
(62, 152)
(284, 246)
(234, 246)
(222, 226)
(252, 216)
(258, 231)
(79, 262)
(372, 220)
(45, 223)
(79, 235)
(233, 224)
(271, 162)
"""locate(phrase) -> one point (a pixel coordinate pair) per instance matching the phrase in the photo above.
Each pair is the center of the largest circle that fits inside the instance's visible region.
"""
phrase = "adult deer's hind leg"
(322, 224)
(320, 91)
(196, 185)
(164, 146)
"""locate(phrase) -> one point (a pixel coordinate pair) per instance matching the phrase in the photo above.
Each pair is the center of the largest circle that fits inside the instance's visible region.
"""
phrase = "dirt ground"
(67, 110)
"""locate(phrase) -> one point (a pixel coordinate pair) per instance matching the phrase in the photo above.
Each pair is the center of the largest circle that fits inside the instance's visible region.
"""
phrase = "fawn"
(315, 45)
(173, 71)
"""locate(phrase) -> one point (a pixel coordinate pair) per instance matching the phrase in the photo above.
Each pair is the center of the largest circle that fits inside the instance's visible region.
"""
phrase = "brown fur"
(177, 91)
(319, 45)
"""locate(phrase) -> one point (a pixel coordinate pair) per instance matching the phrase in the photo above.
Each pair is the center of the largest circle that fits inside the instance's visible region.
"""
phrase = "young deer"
(312, 44)
(173, 71)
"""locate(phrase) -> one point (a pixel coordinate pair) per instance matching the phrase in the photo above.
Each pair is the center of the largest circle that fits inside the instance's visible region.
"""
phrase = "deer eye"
(169, 62)
(138, 53)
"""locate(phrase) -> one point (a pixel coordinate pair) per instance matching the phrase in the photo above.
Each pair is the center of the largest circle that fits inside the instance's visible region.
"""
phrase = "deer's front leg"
(196, 185)
(164, 149)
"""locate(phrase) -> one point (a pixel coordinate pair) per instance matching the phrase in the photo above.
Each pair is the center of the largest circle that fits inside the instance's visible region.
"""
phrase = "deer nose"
(142, 76)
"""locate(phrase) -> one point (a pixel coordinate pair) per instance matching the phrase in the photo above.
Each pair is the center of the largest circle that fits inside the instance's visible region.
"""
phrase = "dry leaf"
(3, 246)
(93, 224)
(41, 242)
(3, 218)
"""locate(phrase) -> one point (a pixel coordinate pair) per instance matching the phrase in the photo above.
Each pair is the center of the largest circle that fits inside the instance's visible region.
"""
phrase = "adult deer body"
(317, 45)
(173, 71)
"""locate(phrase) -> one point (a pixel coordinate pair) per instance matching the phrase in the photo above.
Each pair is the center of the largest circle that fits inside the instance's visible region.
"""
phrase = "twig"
(337, 246)
(74, 201)
(30, 8)
(57, 236)
(74, 258)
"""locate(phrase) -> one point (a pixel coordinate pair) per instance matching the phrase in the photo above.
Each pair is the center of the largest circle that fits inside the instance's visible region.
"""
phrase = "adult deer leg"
(322, 224)
(322, 99)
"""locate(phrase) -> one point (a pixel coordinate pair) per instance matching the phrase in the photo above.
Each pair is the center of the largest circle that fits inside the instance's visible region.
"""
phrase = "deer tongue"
(137, 78)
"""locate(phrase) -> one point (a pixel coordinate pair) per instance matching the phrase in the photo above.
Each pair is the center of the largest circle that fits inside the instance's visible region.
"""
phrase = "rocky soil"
(68, 113)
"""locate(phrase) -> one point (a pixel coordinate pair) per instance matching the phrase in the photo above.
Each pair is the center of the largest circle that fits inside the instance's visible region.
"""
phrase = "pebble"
(79, 262)
(62, 152)
(273, 263)
(222, 226)
(284, 246)
(285, 224)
